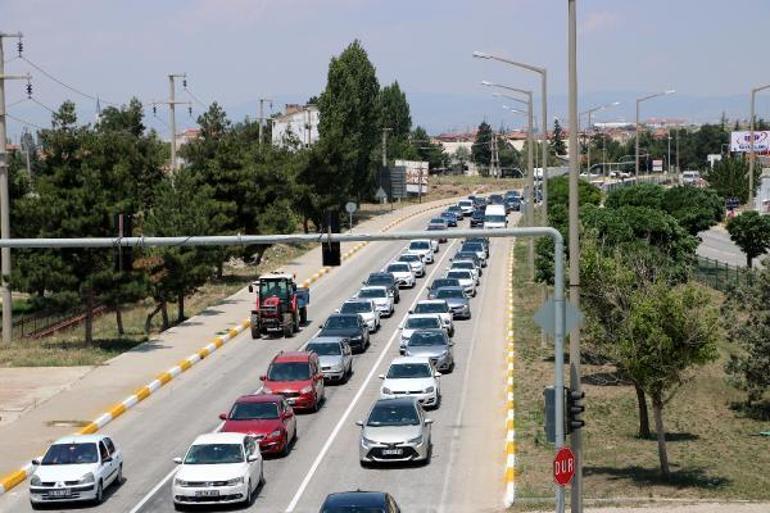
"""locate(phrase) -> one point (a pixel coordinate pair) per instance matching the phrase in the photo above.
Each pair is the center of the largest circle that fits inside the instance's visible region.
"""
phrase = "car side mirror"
(35, 462)
(223, 416)
(178, 460)
(107, 459)
(287, 414)
(381, 376)
(437, 375)
(428, 422)
(337, 310)
(263, 378)
(411, 311)
(252, 458)
(360, 423)
(451, 343)
(251, 288)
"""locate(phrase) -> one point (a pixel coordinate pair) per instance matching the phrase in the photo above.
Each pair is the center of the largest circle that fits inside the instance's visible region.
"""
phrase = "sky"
(236, 51)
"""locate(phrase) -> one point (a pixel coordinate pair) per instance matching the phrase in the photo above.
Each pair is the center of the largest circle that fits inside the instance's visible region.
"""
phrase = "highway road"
(716, 245)
(464, 475)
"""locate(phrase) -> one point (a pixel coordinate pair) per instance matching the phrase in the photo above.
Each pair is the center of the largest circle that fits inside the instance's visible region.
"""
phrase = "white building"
(298, 124)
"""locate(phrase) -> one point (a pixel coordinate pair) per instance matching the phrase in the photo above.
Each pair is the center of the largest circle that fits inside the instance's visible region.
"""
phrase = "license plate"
(392, 452)
(207, 493)
(59, 493)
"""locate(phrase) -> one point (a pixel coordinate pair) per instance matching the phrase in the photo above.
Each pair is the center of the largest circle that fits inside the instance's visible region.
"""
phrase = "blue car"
(451, 218)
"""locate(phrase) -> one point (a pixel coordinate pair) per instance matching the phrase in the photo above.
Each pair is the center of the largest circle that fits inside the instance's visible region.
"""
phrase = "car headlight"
(430, 390)
(275, 434)
(233, 482)
(386, 391)
(87, 478)
(266, 389)
(366, 441)
(358, 337)
(444, 353)
(415, 441)
(180, 482)
(306, 390)
(35, 481)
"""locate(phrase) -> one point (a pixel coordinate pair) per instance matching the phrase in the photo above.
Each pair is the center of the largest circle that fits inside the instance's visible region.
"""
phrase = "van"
(494, 217)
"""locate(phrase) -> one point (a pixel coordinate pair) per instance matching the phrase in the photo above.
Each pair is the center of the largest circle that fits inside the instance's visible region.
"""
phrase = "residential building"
(297, 125)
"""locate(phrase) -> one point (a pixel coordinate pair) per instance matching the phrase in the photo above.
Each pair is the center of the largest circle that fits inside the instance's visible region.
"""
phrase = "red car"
(297, 376)
(266, 416)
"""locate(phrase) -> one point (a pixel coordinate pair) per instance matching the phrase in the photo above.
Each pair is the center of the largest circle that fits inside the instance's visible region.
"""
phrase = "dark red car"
(266, 416)
(297, 376)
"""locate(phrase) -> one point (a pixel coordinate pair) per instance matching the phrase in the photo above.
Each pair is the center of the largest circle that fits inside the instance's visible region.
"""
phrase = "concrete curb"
(17, 477)
(510, 426)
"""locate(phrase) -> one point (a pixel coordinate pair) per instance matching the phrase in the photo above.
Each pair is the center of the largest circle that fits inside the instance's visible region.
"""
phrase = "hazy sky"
(711, 51)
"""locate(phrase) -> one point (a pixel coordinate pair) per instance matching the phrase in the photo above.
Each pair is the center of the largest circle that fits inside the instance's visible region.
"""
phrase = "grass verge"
(713, 444)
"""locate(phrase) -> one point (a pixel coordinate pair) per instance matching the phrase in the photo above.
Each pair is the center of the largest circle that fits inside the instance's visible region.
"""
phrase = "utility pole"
(669, 149)
(5, 219)
(385, 131)
(576, 437)
(752, 155)
(172, 103)
(262, 116)
(494, 164)
(639, 101)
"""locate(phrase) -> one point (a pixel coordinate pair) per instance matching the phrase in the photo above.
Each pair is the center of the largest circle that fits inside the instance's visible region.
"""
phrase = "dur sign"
(741, 141)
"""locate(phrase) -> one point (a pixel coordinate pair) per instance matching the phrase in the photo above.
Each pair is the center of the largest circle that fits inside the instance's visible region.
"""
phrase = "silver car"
(395, 430)
(334, 355)
(457, 300)
(434, 345)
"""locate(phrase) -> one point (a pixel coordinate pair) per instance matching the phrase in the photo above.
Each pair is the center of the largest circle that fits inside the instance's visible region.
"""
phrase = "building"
(298, 125)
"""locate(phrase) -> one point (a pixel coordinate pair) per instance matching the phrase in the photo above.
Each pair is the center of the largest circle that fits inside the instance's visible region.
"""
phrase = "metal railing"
(41, 324)
(720, 275)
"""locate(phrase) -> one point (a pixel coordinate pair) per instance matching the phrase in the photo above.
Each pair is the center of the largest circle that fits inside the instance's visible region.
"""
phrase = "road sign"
(351, 207)
(545, 317)
(381, 195)
(563, 466)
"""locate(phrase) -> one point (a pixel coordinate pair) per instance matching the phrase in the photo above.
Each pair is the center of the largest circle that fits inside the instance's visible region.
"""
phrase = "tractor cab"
(279, 306)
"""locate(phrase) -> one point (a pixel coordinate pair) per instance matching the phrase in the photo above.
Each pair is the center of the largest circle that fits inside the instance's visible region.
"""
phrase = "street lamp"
(543, 72)
(751, 143)
(638, 101)
(589, 113)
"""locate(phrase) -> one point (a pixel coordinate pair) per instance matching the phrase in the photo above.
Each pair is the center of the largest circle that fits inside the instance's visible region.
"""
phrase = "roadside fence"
(720, 275)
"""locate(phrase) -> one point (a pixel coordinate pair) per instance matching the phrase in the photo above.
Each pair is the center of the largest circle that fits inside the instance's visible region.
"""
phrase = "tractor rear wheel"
(303, 315)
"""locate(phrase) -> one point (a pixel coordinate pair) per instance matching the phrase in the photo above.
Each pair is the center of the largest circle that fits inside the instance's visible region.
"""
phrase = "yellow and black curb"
(510, 424)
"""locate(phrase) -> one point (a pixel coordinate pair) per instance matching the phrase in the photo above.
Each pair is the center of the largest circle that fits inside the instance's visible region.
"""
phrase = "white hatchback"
(219, 468)
(402, 272)
(76, 468)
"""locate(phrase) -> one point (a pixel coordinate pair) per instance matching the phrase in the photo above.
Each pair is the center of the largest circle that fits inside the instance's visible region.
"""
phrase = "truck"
(280, 306)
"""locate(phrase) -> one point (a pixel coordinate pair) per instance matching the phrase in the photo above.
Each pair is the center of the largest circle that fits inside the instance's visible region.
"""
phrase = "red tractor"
(280, 305)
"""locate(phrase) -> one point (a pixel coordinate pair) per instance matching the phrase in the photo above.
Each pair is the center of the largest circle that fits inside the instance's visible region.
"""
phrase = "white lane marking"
(152, 492)
(352, 405)
(461, 410)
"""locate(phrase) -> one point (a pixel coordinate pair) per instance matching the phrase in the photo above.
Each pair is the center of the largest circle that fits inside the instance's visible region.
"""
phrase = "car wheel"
(99, 493)
(255, 334)
(119, 477)
(365, 464)
(262, 473)
(286, 447)
(248, 498)
(429, 456)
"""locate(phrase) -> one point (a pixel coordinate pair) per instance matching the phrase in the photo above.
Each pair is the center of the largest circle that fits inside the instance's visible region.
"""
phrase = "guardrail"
(42, 324)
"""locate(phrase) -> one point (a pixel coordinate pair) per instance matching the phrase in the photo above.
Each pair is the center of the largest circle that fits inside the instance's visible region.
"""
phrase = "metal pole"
(588, 148)
(531, 184)
(172, 120)
(669, 150)
(636, 153)
(5, 222)
(261, 118)
(544, 123)
(576, 438)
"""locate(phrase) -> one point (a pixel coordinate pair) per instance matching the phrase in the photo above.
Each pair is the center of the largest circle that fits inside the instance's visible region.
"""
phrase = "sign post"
(350, 207)
(563, 466)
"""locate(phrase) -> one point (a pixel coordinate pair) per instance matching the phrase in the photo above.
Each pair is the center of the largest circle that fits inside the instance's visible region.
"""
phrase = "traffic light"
(574, 410)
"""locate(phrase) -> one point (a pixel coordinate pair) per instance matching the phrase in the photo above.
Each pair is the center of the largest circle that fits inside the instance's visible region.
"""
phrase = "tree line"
(88, 178)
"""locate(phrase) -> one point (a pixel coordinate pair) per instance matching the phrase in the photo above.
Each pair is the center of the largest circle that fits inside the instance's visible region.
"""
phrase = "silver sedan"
(396, 430)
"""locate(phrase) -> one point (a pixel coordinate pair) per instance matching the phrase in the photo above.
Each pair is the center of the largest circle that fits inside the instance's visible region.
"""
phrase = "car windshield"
(372, 293)
(254, 411)
(463, 265)
(404, 414)
(409, 370)
(214, 454)
(419, 245)
(409, 258)
(427, 338)
(444, 282)
(437, 220)
(352, 509)
(460, 274)
(478, 215)
(422, 323)
(325, 348)
(472, 246)
(354, 307)
(71, 454)
(447, 215)
(289, 371)
(341, 321)
(449, 293)
(379, 279)
(454, 208)
(429, 308)
(494, 219)
(398, 268)
(435, 227)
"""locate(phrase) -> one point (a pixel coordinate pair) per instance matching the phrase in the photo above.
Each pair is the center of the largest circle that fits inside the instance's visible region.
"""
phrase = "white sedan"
(382, 299)
(412, 376)
(467, 281)
(366, 308)
(76, 468)
(423, 247)
(219, 468)
(402, 272)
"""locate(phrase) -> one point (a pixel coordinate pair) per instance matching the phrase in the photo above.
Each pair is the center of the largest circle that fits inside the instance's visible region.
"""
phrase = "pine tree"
(557, 146)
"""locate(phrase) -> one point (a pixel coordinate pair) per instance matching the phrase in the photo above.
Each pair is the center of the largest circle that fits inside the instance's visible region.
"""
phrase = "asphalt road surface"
(464, 475)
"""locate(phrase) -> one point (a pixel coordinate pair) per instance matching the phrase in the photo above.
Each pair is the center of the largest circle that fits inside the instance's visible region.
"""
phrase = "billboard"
(657, 165)
(741, 141)
(416, 175)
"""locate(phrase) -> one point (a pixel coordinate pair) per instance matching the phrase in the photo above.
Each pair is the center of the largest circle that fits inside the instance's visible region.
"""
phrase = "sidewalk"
(90, 392)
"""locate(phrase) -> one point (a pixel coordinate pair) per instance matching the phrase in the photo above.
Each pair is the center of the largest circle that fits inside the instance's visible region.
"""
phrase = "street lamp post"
(543, 72)
(638, 101)
(589, 113)
(751, 144)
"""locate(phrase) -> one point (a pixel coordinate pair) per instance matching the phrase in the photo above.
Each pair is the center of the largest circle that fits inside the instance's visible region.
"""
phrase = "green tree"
(557, 146)
(425, 150)
(395, 115)
(695, 209)
(349, 127)
(730, 178)
(751, 232)
(481, 152)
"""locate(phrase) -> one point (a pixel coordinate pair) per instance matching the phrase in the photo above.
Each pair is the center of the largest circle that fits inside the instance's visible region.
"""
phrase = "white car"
(417, 262)
(436, 306)
(76, 468)
(366, 308)
(467, 206)
(415, 322)
(382, 298)
(467, 282)
(219, 468)
(412, 376)
(468, 265)
(402, 272)
(423, 247)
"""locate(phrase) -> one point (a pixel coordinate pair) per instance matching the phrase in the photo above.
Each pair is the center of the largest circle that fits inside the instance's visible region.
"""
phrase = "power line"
(17, 102)
(197, 100)
(25, 122)
(46, 107)
(65, 85)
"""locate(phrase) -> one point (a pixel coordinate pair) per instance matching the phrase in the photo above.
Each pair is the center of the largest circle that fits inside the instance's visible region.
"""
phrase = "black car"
(512, 204)
(438, 228)
(496, 199)
(451, 218)
(477, 219)
(368, 502)
(384, 280)
(480, 201)
(350, 326)
(442, 282)
(480, 240)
